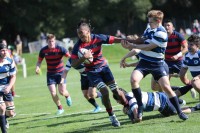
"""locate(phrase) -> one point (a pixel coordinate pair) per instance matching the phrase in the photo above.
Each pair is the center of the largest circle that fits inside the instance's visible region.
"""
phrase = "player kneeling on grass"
(7, 80)
(152, 101)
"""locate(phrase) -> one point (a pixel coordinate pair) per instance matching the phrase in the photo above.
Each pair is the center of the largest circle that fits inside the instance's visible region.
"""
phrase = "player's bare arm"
(130, 54)
(184, 49)
(11, 83)
(145, 47)
(37, 69)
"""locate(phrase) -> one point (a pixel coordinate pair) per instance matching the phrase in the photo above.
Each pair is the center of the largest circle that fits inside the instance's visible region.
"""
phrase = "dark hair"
(194, 38)
(84, 22)
(70, 49)
(168, 21)
(2, 46)
(121, 89)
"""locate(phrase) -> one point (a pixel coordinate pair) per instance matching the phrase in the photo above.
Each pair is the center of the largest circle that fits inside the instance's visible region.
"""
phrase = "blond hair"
(157, 15)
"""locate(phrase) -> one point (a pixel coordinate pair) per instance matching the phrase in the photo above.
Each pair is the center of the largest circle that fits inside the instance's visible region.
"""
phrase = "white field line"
(56, 116)
(35, 114)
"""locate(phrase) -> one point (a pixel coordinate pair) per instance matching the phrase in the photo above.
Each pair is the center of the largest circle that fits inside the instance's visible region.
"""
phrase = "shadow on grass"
(16, 118)
(67, 118)
(193, 102)
(95, 125)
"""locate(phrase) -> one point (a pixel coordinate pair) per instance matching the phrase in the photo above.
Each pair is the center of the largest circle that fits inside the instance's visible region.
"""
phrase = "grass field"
(36, 110)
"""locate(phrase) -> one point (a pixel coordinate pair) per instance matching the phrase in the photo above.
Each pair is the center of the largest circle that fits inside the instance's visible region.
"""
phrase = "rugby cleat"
(183, 116)
(7, 124)
(97, 109)
(114, 121)
(60, 111)
(139, 115)
(69, 101)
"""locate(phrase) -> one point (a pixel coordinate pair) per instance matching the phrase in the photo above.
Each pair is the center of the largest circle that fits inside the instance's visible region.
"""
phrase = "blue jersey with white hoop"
(192, 62)
(156, 36)
(152, 101)
(7, 69)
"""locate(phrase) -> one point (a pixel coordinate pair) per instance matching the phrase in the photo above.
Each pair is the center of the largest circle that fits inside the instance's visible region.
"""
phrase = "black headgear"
(2, 46)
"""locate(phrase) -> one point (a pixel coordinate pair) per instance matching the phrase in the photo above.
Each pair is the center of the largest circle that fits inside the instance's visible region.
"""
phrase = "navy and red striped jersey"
(175, 41)
(96, 46)
(53, 58)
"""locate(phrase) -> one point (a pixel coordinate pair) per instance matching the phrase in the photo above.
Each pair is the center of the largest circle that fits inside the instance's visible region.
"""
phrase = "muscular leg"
(2, 116)
(155, 86)
(136, 77)
(10, 112)
(52, 89)
(164, 83)
(196, 85)
(62, 90)
(106, 100)
(92, 92)
(90, 100)
(114, 88)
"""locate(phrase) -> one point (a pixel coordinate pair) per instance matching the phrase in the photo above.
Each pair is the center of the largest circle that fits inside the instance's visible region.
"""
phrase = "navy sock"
(110, 112)
(3, 123)
(138, 96)
(183, 90)
(174, 88)
(174, 101)
(93, 102)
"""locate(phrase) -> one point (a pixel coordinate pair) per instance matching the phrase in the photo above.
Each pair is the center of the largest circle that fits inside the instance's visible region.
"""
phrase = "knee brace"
(101, 85)
(113, 86)
(8, 108)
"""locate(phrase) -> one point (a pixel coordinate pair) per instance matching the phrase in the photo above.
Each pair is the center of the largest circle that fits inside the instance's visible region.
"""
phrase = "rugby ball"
(81, 53)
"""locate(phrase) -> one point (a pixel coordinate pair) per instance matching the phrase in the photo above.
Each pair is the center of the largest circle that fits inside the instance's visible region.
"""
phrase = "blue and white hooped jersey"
(80, 68)
(156, 36)
(192, 62)
(152, 101)
(7, 68)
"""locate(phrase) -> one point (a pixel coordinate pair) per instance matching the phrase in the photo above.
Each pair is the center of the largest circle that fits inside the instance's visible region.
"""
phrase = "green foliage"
(29, 18)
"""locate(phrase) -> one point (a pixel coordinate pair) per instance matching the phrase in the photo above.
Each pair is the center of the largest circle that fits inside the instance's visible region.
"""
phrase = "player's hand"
(128, 45)
(6, 90)
(124, 44)
(62, 81)
(122, 63)
(88, 54)
(174, 58)
(37, 70)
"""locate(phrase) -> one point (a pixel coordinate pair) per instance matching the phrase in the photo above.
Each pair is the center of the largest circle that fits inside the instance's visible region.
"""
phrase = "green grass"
(36, 110)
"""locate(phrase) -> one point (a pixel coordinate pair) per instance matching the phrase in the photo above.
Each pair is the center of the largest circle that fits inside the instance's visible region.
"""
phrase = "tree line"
(60, 17)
